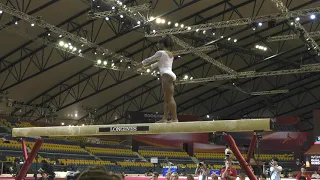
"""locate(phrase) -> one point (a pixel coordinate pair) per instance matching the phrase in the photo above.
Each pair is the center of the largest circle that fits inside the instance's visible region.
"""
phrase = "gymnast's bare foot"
(174, 120)
(162, 121)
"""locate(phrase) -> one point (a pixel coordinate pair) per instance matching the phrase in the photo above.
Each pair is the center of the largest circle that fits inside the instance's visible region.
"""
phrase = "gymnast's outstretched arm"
(156, 56)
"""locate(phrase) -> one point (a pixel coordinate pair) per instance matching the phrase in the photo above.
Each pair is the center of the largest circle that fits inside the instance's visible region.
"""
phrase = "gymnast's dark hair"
(167, 42)
(98, 173)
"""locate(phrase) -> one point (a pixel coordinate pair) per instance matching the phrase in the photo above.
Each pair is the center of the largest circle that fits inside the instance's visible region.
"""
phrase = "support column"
(23, 171)
(251, 148)
(243, 164)
(24, 149)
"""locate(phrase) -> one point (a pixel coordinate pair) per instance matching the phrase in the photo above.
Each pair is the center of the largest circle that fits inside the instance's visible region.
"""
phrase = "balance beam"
(148, 128)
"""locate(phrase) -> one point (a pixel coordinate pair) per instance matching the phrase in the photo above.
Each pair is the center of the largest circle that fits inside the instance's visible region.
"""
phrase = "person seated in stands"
(190, 177)
(174, 176)
(202, 171)
(263, 177)
(214, 176)
(228, 152)
(315, 175)
(155, 176)
(290, 175)
(45, 176)
(228, 172)
(303, 175)
(242, 176)
(98, 173)
(168, 175)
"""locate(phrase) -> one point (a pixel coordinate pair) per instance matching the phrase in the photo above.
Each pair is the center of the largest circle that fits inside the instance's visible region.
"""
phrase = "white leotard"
(164, 63)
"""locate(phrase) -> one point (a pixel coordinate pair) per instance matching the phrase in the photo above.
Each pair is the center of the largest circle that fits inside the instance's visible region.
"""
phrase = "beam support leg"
(251, 148)
(23, 171)
(244, 165)
(24, 149)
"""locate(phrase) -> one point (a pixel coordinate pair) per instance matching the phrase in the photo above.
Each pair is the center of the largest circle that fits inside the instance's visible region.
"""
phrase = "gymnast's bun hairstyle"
(167, 42)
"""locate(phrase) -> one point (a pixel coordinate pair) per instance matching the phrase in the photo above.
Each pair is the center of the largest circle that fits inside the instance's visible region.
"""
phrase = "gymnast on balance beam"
(163, 60)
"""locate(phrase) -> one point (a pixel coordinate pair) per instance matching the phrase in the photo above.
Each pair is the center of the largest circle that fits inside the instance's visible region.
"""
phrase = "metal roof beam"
(236, 22)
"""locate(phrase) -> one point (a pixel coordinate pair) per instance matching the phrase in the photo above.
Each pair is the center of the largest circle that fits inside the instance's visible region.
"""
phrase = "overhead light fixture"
(169, 22)
(99, 61)
(297, 18)
(313, 16)
(260, 24)
(176, 24)
(107, 18)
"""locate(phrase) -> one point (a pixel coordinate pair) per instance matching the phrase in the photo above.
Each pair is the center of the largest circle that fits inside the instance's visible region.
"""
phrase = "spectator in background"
(275, 169)
(228, 152)
(315, 175)
(228, 172)
(202, 171)
(98, 173)
(174, 176)
(242, 176)
(303, 175)
(155, 176)
(190, 177)
(214, 177)
(263, 177)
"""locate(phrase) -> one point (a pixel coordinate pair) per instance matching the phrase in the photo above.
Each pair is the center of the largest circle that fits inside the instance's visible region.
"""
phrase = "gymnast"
(164, 62)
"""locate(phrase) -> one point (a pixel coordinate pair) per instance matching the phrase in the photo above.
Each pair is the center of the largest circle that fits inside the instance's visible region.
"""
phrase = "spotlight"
(61, 43)
(154, 31)
(185, 77)
(151, 18)
(213, 33)
(107, 18)
(163, 21)
(121, 16)
(113, 7)
(49, 34)
(99, 61)
(260, 23)
(291, 23)
(313, 16)
(158, 20)
(60, 36)
(105, 62)
(204, 32)
(16, 23)
(1, 12)
(189, 28)
(66, 45)
(74, 49)
(70, 47)
(112, 64)
(197, 30)
(32, 24)
(169, 22)
(148, 70)
(297, 18)
(221, 37)
(176, 24)
(182, 25)
(82, 124)
(235, 40)
(208, 116)
(79, 51)
(138, 22)
(229, 39)
(62, 124)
